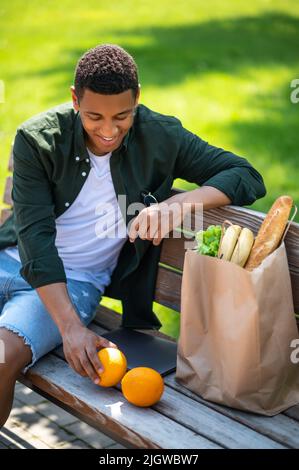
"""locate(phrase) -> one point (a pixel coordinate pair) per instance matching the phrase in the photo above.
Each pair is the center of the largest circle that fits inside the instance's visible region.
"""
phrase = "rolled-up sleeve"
(34, 216)
(202, 163)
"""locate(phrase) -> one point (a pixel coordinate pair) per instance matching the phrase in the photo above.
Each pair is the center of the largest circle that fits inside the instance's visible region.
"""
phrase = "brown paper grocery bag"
(236, 332)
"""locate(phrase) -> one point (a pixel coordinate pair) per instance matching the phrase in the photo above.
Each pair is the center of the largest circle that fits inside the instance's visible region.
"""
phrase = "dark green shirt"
(51, 165)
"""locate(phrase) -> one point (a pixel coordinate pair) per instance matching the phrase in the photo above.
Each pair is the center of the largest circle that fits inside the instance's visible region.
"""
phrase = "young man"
(71, 164)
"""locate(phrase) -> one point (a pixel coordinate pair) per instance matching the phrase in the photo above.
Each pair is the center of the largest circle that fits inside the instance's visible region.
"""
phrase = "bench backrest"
(168, 286)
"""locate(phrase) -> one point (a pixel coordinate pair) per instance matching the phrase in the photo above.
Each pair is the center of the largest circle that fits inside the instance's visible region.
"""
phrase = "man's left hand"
(155, 222)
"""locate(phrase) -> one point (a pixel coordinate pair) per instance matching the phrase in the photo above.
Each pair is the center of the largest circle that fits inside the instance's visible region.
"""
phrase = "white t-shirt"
(92, 231)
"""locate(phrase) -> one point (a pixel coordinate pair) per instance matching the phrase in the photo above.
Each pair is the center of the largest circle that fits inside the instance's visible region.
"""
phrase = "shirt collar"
(79, 141)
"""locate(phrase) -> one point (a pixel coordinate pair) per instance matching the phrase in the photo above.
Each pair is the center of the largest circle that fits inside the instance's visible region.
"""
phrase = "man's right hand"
(80, 346)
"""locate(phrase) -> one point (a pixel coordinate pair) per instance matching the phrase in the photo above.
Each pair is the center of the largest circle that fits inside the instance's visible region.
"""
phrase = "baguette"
(270, 232)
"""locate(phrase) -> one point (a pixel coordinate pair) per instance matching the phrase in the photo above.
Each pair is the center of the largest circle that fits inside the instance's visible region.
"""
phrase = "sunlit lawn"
(223, 68)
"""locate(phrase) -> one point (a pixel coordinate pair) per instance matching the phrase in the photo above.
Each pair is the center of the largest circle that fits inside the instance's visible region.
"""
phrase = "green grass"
(223, 68)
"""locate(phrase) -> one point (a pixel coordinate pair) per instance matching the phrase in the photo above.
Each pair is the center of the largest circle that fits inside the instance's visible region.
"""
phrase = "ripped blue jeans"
(23, 312)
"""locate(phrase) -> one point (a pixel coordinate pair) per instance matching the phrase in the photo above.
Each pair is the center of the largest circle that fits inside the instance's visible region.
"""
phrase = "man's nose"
(108, 130)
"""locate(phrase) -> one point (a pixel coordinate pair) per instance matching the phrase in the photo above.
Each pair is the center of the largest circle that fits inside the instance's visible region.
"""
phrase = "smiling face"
(106, 119)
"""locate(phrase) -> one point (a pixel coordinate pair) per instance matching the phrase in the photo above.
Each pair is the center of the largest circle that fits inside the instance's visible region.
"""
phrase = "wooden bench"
(181, 419)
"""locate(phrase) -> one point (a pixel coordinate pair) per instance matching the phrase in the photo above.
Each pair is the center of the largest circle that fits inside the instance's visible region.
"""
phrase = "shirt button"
(77, 158)
(83, 173)
(87, 159)
(67, 204)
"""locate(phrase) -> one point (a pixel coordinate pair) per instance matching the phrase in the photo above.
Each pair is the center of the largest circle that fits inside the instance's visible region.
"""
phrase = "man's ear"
(74, 98)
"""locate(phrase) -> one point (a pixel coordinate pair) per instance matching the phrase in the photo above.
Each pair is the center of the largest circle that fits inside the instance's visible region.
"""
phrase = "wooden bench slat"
(280, 427)
(168, 289)
(212, 424)
(33, 384)
(108, 409)
(293, 412)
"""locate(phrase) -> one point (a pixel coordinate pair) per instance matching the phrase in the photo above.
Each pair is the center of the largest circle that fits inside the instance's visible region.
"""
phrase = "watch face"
(148, 199)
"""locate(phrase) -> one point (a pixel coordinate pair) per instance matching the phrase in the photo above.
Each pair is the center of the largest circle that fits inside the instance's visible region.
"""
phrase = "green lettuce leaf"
(208, 240)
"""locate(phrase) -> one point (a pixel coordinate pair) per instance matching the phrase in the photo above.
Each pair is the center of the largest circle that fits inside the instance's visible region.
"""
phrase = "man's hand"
(80, 346)
(155, 222)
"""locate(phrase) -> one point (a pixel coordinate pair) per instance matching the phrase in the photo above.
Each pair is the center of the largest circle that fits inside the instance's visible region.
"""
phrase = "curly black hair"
(107, 69)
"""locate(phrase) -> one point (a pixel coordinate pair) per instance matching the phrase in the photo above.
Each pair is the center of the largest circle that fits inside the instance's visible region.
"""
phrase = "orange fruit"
(142, 386)
(114, 363)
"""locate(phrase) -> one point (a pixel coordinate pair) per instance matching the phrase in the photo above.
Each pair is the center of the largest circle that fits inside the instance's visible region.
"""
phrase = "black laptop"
(144, 350)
